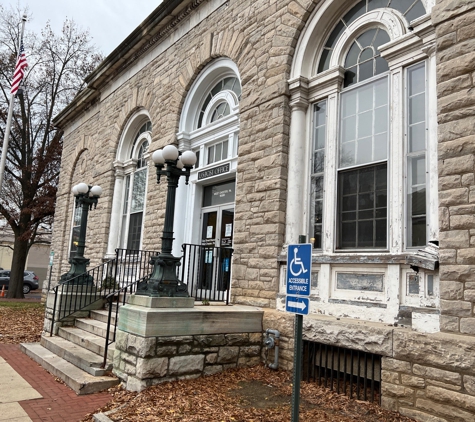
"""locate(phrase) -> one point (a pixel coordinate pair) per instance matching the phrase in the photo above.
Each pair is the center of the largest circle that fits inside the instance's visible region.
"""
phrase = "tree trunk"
(20, 254)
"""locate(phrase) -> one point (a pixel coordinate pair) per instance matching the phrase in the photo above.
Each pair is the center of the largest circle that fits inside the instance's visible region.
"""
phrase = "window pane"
(401, 5)
(352, 56)
(382, 37)
(365, 98)
(416, 11)
(381, 66)
(318, 161)
(225, 150)
(417, 79)
(362, 216)
(363, 153)
(135, 231)
(211, 155)
(218, 151)
(366, 54)
(365, 125)
(324, 60)
(355, 12)
(366, 39)
(372, 124)
(417, 109)
(138, 190)
(417, 137)
(377, 4)
(418, 231)
(347, 157)
(349, 129)
(348, 103)
(365, 71)
(319, 122)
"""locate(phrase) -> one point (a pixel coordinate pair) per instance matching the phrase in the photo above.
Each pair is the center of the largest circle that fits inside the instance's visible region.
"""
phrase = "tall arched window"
(134, 192)
(364, 133)
(129, 199)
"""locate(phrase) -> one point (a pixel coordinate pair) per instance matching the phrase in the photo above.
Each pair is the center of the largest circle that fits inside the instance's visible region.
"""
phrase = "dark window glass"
(363, 207)
(135, 231)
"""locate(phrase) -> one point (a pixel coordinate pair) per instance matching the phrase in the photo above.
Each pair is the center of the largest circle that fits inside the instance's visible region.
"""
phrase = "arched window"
(130, 188)
(365, 136)
(134, 192)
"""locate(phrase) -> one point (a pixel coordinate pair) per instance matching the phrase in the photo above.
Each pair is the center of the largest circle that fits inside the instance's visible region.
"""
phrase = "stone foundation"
(140, 362)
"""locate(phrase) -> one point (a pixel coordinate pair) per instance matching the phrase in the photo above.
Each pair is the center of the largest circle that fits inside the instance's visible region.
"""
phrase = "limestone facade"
(362, 298)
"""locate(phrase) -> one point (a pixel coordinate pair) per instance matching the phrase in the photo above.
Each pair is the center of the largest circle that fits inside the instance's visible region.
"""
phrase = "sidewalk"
(29, 393)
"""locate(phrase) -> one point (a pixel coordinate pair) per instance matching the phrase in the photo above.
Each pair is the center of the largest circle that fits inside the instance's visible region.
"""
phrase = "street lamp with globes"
(86, 198)
(163, 281)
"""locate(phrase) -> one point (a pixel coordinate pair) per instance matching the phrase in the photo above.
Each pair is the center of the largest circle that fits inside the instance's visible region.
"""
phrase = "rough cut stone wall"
(140, 362)
(454, 21)
(260, 37)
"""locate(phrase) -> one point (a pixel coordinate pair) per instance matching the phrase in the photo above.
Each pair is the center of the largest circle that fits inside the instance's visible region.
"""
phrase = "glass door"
(217, 241)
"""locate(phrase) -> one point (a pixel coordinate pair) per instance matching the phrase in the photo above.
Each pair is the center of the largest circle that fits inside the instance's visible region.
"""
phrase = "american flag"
(19, 70)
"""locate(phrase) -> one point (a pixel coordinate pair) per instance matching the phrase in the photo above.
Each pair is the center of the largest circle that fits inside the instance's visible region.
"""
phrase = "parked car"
(30, 280)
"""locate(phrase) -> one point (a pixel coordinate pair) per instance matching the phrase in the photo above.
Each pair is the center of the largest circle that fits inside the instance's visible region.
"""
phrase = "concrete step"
(78, 380)
(91, 342)
(79, 356)
(93, 326)
(102, 315)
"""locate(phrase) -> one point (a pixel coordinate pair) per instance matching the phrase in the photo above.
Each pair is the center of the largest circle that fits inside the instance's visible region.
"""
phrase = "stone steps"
(78, 380)
(93, 326)
(79, 356)
(102, 315)
(75, 355)
(87, 340)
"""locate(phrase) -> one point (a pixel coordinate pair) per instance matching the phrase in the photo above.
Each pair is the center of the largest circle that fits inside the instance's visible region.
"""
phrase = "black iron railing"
(85, 290)
(206, 269)
(349, 372)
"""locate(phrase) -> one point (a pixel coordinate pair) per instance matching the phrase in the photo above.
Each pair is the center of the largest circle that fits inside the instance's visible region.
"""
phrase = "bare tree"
(57, 66)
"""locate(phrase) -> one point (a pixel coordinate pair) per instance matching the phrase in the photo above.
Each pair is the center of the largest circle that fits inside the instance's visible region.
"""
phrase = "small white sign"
(229, 230)
(209, 232)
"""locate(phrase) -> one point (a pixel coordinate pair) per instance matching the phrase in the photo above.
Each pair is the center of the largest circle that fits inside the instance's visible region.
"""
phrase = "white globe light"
(188, 158)
(75, 190)
(179, 163)
(82, 188)
(96, 191)
(157, 157)
(170, 153)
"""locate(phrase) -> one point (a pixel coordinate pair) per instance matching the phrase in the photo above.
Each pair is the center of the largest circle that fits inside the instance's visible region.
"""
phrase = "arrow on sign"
(298, 305)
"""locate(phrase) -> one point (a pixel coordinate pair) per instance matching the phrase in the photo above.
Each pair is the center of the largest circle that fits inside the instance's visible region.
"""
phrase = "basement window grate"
(353, 373)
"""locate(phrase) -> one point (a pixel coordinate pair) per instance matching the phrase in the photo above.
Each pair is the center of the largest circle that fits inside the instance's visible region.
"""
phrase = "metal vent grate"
(353, 373)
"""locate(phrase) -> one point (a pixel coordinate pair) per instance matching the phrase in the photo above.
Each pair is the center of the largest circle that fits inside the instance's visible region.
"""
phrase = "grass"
(21, 305)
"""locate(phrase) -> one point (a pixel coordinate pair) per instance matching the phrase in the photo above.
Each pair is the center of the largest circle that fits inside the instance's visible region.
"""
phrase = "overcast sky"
(109, 21)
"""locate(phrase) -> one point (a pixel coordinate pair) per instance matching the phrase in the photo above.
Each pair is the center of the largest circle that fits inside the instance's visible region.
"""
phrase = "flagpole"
(10, 114)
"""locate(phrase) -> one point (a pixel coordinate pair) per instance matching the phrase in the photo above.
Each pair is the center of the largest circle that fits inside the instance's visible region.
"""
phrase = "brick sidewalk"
(59, 402)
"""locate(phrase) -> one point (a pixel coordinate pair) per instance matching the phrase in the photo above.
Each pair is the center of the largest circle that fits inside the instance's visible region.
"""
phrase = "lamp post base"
(163, 282)
(77, 274)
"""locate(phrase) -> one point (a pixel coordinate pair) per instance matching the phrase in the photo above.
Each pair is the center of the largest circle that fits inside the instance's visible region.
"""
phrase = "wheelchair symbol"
(297, 262)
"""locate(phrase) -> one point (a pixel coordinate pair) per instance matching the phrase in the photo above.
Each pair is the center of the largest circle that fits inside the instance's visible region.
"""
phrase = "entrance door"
(217, 241)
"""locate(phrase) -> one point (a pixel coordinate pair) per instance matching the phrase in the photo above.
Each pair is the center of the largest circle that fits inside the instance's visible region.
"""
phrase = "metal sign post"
(299, 276)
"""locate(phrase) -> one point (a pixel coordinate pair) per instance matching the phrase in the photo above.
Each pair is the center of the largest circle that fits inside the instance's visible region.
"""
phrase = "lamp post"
(164, 281)
(86, 197)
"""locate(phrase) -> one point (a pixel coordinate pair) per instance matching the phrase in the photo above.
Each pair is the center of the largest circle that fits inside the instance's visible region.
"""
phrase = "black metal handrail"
(95, 285)
(206, 269)
(117, 297)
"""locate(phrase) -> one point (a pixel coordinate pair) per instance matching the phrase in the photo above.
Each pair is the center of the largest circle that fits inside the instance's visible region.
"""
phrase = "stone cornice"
(160, 23)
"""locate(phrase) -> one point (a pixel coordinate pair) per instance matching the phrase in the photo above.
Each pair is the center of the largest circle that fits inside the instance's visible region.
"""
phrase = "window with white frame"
(75, 230)
(379, 134)
(134, 192)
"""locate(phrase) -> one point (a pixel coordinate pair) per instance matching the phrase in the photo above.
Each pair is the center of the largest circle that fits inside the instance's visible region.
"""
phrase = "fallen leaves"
(255, 394)
(21, 324)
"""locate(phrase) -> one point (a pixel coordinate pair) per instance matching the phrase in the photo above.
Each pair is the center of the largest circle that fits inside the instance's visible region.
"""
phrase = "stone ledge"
(160, 322)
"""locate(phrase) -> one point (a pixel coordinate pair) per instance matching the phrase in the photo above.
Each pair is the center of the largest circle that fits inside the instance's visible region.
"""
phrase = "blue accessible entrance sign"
(299, 269)
(299, 277)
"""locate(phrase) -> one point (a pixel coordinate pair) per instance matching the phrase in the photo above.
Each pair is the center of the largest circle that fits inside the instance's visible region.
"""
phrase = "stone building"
(349, 122)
